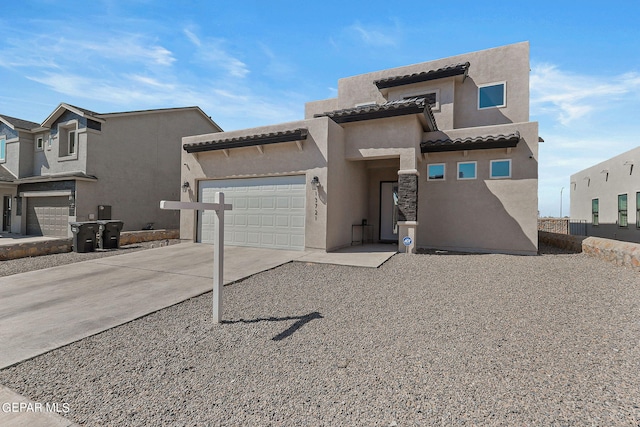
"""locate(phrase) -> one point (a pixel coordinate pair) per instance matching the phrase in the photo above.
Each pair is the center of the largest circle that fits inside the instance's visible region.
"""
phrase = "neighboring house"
(607, 197)
(79, 165)
(442, 152)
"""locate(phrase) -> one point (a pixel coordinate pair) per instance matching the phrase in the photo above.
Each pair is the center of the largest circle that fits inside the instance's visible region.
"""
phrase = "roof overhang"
(461, 69)
(19, 124)
(66, 107)
(402, 107)
(299, 134)
(73, 176)
(470, 143)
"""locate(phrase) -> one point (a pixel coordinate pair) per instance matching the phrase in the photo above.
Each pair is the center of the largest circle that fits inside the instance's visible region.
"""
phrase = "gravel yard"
(423, 340)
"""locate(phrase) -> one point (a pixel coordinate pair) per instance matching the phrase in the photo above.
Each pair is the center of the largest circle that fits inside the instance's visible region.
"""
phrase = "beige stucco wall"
(275, 160)
(593, 183)
(506, 63)
(136, 158)
(483, 215)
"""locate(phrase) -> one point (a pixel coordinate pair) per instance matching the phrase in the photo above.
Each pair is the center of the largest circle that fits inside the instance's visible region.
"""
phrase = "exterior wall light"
(315, 182)
(185, 186)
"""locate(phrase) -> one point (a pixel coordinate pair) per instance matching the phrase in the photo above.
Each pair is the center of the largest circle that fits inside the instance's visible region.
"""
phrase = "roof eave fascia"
(484, 145)
(461, 70)
(58, 112)
(298, 135)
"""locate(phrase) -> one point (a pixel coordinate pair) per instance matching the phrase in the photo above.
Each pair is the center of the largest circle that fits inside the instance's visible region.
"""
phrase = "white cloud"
(571, 96)
(374, 36)
(211, 52)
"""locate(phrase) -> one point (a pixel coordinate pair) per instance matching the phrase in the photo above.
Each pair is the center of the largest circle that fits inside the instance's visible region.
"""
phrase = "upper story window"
(68, 140)
(39, 143)
(492, 95)
(500, 169)
(72, 140)
(435, 172)
(3, 149)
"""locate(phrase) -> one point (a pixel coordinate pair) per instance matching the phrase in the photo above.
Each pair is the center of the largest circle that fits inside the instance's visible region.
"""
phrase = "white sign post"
(218, 248)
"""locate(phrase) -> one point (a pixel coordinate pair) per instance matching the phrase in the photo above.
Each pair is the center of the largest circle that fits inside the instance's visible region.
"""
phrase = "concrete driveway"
(46, 309)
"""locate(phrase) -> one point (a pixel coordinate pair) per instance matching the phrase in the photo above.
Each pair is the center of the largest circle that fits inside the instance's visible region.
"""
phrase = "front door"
(6, 213)
(389, 211)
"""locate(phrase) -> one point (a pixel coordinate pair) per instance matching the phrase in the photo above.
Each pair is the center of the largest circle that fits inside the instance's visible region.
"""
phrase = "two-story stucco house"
(79, 165)
(442, 152)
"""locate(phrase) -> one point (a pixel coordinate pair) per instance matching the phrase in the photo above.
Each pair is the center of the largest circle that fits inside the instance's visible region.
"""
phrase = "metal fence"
(563, 226)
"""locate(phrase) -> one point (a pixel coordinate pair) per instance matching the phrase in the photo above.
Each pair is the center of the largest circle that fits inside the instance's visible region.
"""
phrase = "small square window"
(492, 95)
(435, 172)
(500, 169)
(467, 170)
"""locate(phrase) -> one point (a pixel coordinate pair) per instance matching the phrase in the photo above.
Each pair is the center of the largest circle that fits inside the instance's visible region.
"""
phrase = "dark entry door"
(6, 213)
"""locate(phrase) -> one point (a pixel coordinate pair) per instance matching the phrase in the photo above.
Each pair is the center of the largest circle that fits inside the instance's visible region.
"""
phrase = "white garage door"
(48, 216)
(267, 212)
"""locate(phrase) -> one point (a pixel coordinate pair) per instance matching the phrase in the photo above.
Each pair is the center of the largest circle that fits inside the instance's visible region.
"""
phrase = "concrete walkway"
(46, 309)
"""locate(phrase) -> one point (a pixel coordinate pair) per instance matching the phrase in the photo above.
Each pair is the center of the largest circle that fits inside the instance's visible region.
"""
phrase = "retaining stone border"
(562, 241)
(614, 251)
(48, 247)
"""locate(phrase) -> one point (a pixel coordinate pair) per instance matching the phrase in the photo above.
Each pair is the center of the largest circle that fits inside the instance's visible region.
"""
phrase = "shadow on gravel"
(300, 322)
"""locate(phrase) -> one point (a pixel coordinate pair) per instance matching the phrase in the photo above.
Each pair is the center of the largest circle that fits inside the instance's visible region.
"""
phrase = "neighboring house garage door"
(48, 216)
(267, 212)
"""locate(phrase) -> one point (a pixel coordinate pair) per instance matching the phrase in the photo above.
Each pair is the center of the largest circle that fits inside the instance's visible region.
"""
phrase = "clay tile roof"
(399, 107)
(471, 143)
(247, 140)
(440, 73)
(20, 124)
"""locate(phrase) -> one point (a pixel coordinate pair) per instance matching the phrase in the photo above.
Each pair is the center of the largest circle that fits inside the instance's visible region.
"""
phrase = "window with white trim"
(492, 95)
(500, 169)
(467, 170)
(72, 140)
(435, 172)
(68, 140)
(3, 149)
(39, 143)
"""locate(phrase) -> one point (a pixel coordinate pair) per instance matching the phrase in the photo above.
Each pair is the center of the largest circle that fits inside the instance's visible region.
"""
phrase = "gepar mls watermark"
(16, 407)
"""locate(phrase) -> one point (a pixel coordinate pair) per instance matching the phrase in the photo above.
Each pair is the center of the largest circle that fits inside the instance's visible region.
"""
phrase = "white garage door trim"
(268, 212)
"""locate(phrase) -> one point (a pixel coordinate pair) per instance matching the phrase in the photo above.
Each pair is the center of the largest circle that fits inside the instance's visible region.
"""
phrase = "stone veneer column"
(407, 208)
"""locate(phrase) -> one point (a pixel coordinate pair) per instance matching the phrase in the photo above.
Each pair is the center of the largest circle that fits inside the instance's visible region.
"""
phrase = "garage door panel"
(267, 212)
(48, 216)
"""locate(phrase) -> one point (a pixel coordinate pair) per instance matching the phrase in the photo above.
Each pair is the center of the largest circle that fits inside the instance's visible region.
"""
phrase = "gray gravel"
(423, 340)
(22, 265)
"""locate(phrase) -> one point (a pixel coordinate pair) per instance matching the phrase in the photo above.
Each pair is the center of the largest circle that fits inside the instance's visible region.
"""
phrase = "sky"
(253, 63)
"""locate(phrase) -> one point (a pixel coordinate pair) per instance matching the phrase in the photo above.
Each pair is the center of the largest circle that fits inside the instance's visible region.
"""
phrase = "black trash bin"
(84, 236)
(110, 237)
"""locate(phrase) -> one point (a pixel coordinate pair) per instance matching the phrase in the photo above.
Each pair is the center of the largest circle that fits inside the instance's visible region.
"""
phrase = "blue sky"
(251, 63)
